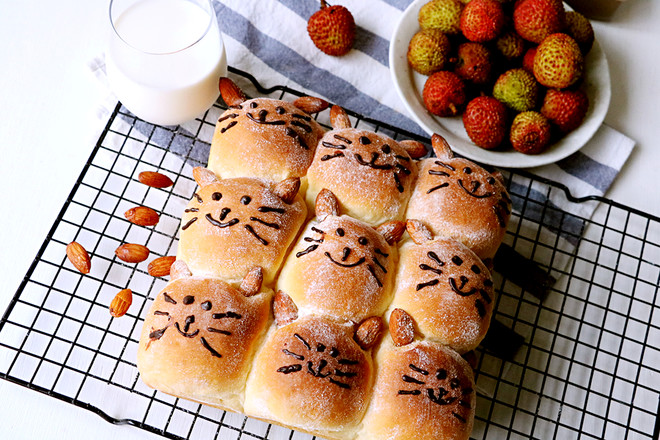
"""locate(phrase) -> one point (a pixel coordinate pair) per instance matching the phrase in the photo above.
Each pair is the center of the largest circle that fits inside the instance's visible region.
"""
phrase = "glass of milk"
(165, 57)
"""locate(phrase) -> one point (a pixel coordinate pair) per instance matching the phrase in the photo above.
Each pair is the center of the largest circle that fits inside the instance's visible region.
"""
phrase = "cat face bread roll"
(313, 376)
(341, 267)
(457, 198)
(446, 288)
(423, 390)
(232, 225)
(264, 138)
(371, 174)
(199, 337)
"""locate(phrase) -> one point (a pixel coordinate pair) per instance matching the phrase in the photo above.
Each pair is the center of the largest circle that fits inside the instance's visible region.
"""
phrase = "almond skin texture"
(231, 93)
(160, 267)
(369, 331)
(79, 257)
(142, 216)
(154, 179)
(311, 104)
(132, 253)
(402, 327)
(121, 303)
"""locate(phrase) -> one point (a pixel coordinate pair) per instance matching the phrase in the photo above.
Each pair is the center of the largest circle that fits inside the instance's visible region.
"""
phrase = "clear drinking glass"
(165, 57)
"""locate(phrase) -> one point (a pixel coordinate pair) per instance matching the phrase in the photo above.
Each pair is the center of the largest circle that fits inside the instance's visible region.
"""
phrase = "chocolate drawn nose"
(224, 213)
(347, 252)
(189, 320)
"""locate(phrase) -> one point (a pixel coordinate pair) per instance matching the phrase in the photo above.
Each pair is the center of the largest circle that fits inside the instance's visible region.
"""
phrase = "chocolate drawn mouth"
(372, 162)
(220, 224)
(357, 263)
(185, 333)
(473, 191)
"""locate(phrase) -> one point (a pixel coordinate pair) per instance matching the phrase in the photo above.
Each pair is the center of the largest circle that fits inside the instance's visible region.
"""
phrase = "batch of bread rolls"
(296, 252)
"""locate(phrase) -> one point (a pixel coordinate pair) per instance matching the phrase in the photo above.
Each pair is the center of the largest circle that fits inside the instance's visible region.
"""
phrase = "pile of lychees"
(513, 68)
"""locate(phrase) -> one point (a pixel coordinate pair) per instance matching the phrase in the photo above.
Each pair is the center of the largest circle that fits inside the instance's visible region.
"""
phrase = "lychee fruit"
(579, 27)
(482, 20)
(332, 29)
(558, 62)
(565, 108)
(528, 60)
(444, 93)
(428, 51)
(536, 19)
(473, 63)
(485, 121)
(441, 14)
(517, 88)
(510, 45)
(530, 132)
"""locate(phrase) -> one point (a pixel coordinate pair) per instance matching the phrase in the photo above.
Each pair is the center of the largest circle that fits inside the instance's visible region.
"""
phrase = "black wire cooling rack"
(586, 313)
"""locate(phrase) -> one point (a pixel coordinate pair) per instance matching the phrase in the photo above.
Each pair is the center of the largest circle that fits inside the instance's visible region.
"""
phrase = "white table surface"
(46, 87)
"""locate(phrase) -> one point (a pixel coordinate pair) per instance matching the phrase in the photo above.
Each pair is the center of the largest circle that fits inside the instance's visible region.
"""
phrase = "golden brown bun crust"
(192, 360)
(459, 199)
(264, 229)
(311, 375)
(447, 290)
(244, 146)
(372, 179)
(423, 391)
(315, 277)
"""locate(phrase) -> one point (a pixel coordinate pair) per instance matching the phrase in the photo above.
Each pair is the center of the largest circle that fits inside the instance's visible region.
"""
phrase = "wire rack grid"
(587, 364)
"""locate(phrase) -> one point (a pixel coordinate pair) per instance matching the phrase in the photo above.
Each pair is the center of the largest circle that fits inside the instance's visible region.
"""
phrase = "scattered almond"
(402, 327)
(160, 267)
(78, 256)
(231, 93)
(369, 331)
(132, 253)
(121, 302)
(311, 104)
(155, 179)
(142, 216)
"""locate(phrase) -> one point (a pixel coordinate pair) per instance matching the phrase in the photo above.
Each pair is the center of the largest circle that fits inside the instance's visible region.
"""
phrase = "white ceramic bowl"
(410, 84)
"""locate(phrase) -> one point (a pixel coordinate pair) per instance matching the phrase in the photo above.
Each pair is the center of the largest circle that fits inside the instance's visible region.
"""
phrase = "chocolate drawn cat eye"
(467, 170)
(340, 232)
(386, 149)
(363, 241)
(206, 305)
(365, 140)
(216, 196)
(246, 200)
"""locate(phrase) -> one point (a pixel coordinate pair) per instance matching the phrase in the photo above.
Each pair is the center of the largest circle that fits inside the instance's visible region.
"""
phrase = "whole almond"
(418, 231)
(284, 309)
(251, 284)
(231, 93)
(132, 253)
(160, 267)
(311, 104)
(154, 179)
(78, 256)
(142, 216)
(415, 149)
(392, 231)
(339, 118)
(121, 302)
(402, 327)
(369, 331)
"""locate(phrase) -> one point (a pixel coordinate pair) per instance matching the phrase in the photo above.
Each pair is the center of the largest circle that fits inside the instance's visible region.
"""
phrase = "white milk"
(166, 65)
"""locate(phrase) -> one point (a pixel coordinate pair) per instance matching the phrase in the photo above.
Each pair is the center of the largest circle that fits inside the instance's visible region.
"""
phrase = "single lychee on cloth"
(530, 132)
(444, 93)
(428, 51)
(332, 29)
(558, 62)
(486, 121)
(482, 20)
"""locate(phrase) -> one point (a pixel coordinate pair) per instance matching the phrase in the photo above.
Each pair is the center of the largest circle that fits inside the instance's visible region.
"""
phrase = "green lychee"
(482, 20)
(558, 62)
(579, 27)
(536, 19)
(517, 89)
(565, 108)
(473, 63)
(485, 121)
(510, 45)
(441, 14)
(530, 132)
(444, 93)
(428, 51)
